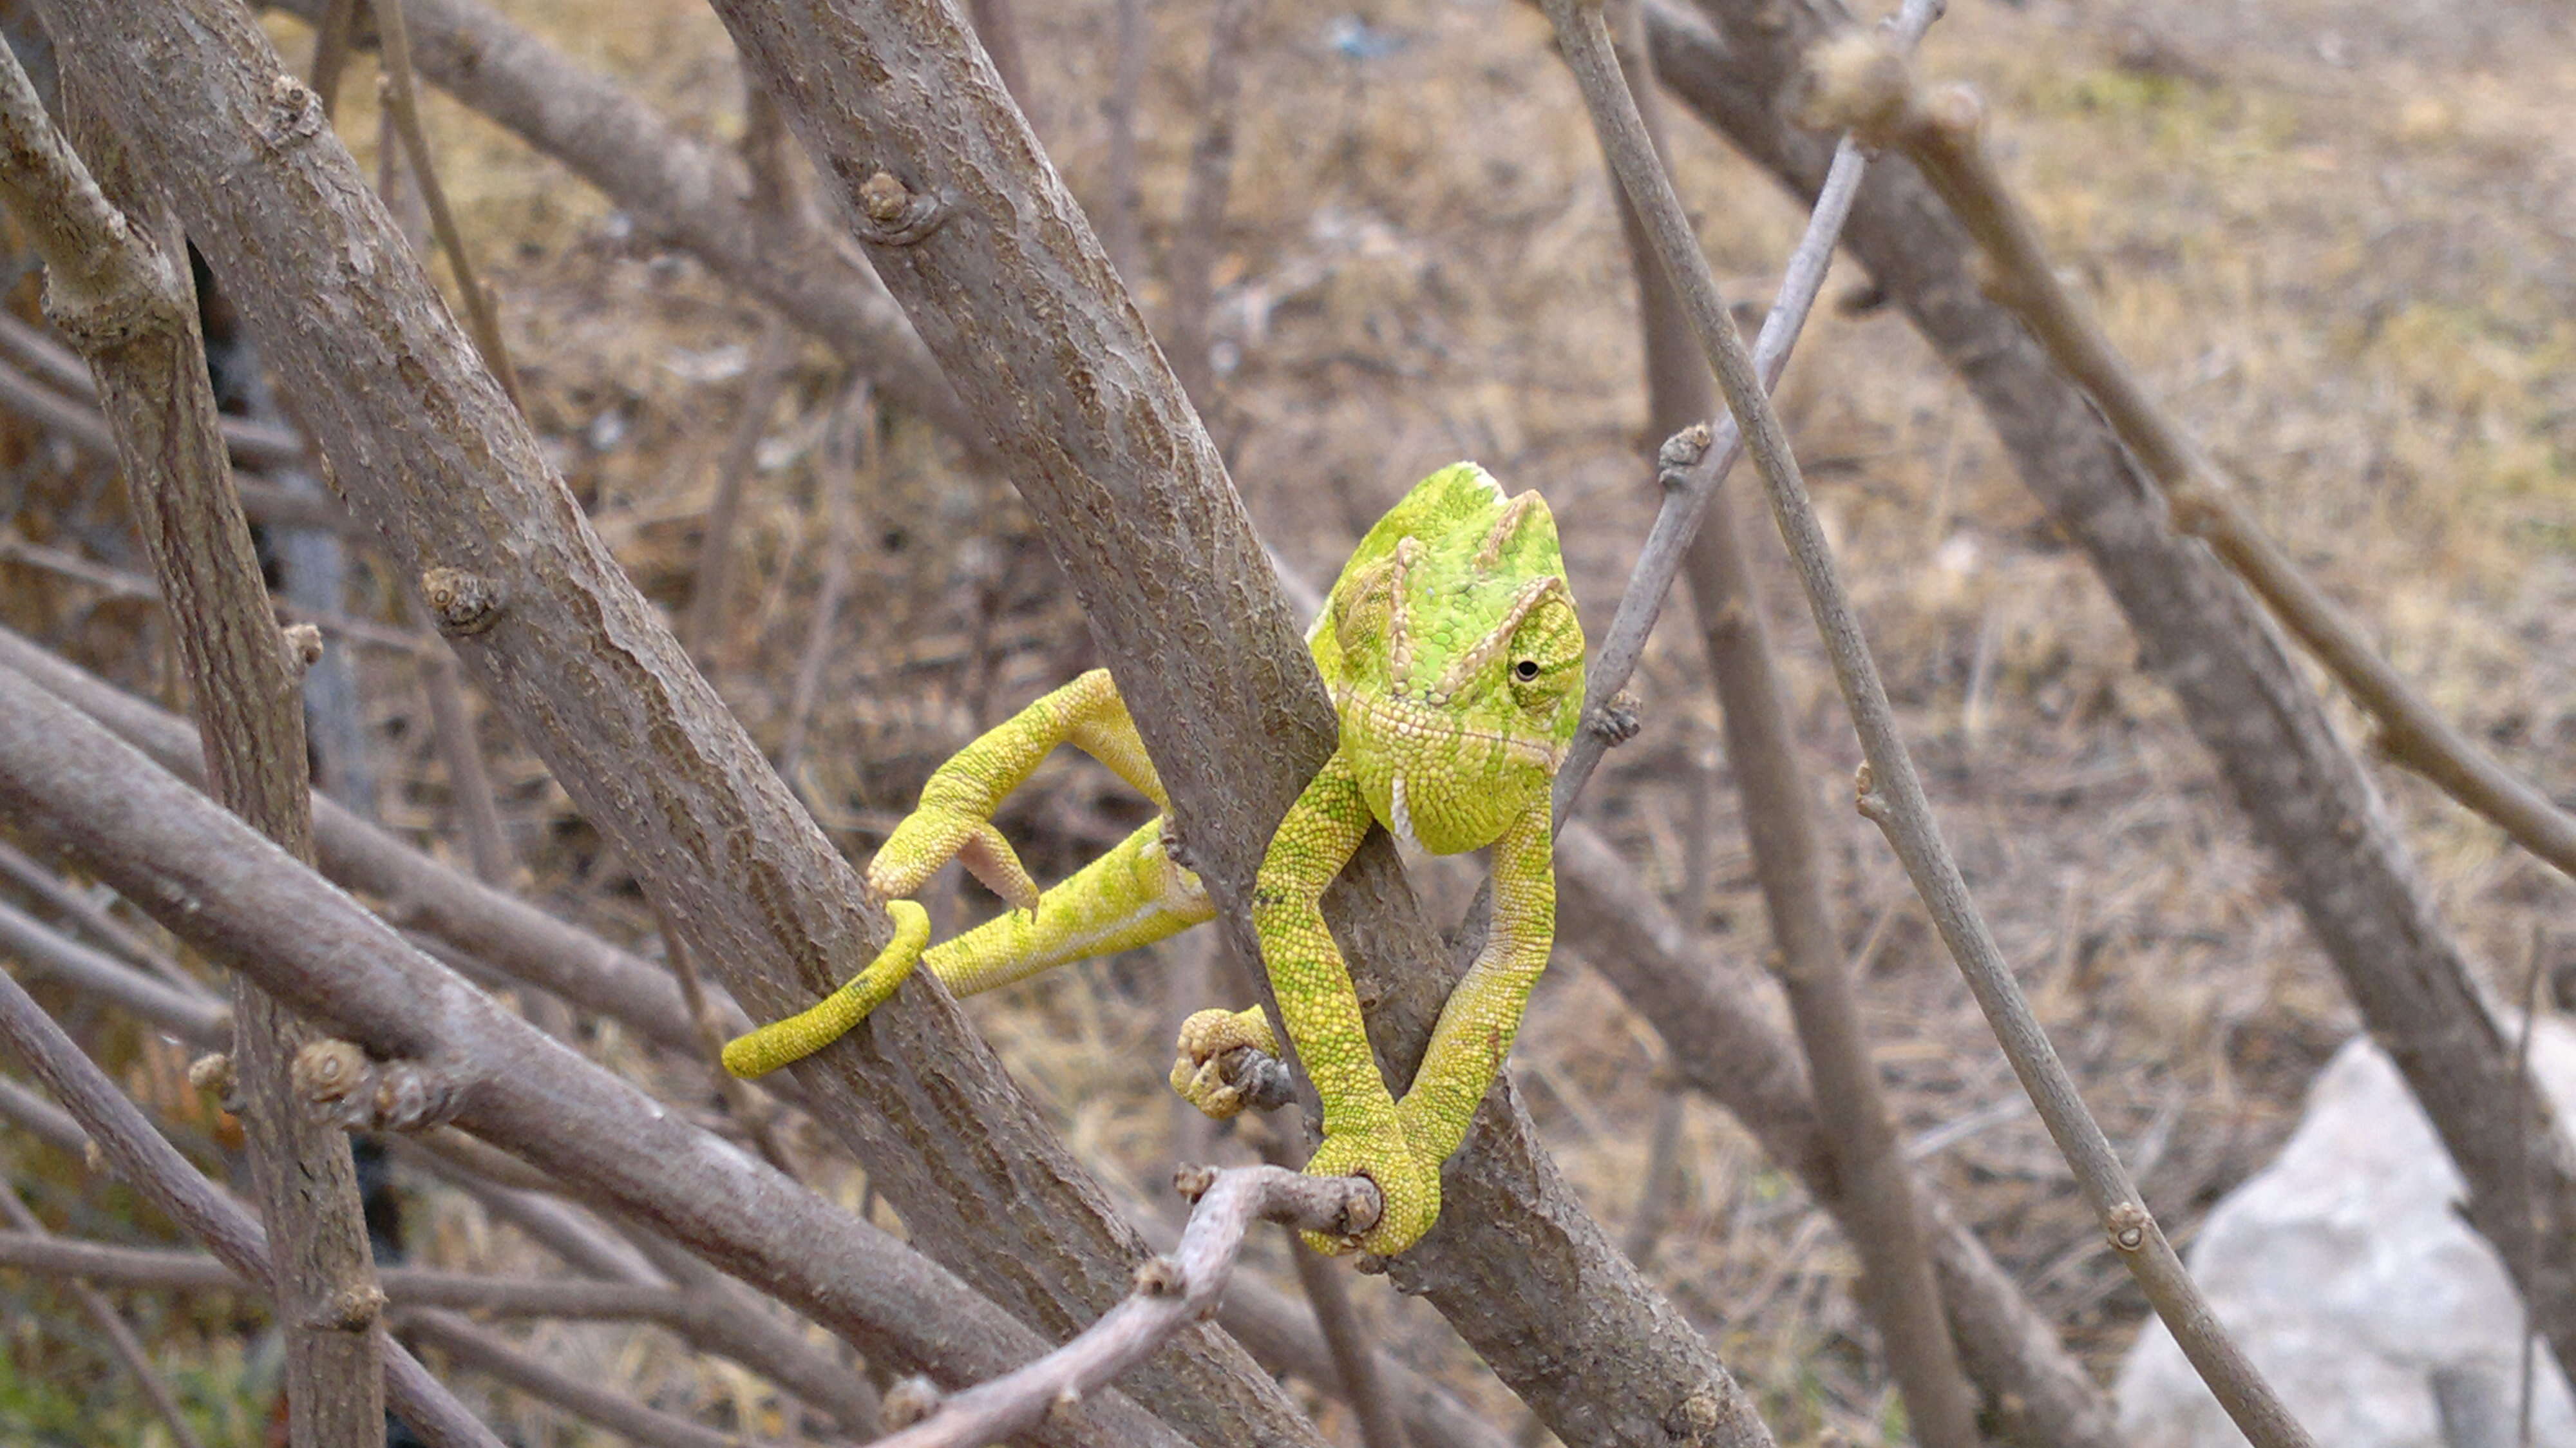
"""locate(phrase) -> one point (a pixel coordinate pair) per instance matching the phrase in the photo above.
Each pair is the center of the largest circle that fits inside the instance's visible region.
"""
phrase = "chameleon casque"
(1455, 662)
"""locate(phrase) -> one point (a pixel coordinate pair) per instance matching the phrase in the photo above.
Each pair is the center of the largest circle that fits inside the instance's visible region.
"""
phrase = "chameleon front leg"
(1363, 1134)
(955, 820)
(1483, 1013)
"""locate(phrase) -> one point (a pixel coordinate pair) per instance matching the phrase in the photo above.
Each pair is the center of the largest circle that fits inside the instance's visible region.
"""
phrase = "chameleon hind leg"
(1133, 895)
(955, 821)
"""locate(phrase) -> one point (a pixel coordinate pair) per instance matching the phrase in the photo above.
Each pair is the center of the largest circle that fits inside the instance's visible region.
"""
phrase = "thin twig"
(331, 52)
(402, 98)
(1879, 1216)
(849, 446)
(1120, 232)
(1892, 794)
(145, 1161)
(111, 1325)
(93, 916)
(1355, 1360)
(1661, 1182)
(2463, 1058)
(187, 1011)
(1691, 485)
(742, 1102)
(577, 1299)
(1197, 241)
(497, 1357)
(773, 365)
(48, 364)
(1171, 1293)
(2523, 1095)
(17, 549)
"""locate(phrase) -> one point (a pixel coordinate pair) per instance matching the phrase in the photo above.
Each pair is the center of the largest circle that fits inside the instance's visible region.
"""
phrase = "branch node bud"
(303, 642)
(1857, 81)
(1160, 1276)
(893, 214)
(910, 1401)
(463, 603)
(2127, 1226)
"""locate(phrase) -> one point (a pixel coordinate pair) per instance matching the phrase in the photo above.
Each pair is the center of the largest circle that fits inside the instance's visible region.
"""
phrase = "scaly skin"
(1456, 666)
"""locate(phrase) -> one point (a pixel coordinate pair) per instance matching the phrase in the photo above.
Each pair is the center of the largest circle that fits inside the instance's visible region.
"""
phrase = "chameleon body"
(1455, 662)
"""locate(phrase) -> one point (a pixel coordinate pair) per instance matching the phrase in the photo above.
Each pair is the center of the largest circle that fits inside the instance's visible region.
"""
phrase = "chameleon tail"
(801, 1035)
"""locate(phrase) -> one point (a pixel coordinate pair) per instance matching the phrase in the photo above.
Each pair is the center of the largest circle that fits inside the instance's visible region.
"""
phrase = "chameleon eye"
(1525, 670)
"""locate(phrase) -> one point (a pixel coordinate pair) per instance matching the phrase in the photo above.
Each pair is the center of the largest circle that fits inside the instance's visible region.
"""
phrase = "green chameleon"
(1456, 667)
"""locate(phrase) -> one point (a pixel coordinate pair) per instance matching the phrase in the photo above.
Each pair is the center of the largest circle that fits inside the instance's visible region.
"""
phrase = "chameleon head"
(1456, 660)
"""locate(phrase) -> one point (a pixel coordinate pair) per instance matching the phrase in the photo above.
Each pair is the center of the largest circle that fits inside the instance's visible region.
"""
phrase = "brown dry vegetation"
(2339, 239)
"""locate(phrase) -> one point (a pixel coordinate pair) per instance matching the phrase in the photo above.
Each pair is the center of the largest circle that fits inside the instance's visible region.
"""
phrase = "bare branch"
(491, 1354)
(773, 365)
(676, 187)
(16, 549)
(154, 1168)
(1880, 1217)
(1896, 801)
(192, 1015)
(206, 874)
(2464, 1064)
(127, 308)
(1171, 1292)
(111, 1325)
(402, 106)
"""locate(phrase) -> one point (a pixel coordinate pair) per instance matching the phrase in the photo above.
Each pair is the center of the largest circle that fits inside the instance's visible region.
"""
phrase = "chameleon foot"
(829, 1019)
(1409, 1186)
(933, 835)
(1206, 1040)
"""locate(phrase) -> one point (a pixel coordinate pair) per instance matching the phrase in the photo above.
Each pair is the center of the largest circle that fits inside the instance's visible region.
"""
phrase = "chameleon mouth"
(1408, 718)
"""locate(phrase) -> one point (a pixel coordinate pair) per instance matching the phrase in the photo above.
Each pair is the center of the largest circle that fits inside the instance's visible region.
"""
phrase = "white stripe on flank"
(1403, 821)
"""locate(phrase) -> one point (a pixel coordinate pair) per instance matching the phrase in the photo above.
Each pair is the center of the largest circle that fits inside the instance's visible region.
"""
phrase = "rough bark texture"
(977, 237)
(120, 294)
(698, 196)
(208, 877)
(2299, 786)
(431, 453)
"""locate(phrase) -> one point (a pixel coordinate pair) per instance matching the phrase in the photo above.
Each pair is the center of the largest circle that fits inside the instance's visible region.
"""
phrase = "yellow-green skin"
(1456, 666)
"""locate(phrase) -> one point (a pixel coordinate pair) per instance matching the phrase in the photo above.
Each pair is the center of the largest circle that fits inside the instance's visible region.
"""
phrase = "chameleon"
(1455, 661)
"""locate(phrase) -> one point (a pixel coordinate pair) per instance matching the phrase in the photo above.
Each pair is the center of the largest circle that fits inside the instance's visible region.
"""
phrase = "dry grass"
(2336, 237)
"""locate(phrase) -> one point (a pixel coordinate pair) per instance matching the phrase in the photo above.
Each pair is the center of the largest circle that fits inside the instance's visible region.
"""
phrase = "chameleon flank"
(1455, 662)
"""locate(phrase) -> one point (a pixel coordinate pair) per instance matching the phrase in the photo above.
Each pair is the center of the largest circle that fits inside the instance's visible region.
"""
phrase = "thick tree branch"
(564, 644)
(124, 301)
(977, 236)
(211, 879)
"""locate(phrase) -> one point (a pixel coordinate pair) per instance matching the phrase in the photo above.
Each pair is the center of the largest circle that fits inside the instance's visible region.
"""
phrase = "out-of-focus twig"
(111, 1325)
(187, 1011)
(15, 549)
(773, 365)
(1171, 1292)
(1891, 792)
(93, 916)
(1898, 1287)
(145, 1161)
(402, 100)
(2457, 1062)
(495, 1356)
(1120, 219)
(1197, 241)
(849, 447)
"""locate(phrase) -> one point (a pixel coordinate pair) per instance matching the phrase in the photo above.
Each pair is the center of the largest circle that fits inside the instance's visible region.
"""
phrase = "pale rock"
(2351, 1281)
